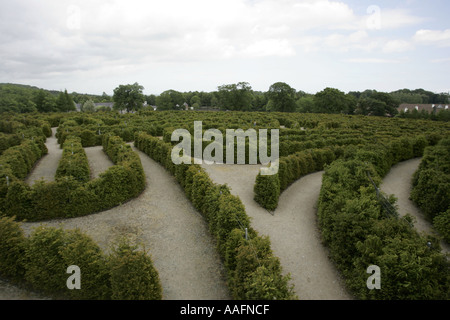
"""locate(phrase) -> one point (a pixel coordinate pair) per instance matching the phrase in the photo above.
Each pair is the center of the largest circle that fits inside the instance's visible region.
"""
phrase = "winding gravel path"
(46, 167)
(177, 237)
(98, 160)
(399, 183)
(292, 229)
(163, 220)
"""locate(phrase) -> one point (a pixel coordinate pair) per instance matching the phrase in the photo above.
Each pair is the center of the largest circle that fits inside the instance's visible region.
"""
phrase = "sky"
(197, 45)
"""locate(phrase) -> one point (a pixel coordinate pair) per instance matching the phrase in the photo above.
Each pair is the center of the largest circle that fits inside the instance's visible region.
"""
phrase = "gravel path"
(177, 237)
(399, 183)
(293, 230)
(163, 220)
(98, 160)
(46, 167)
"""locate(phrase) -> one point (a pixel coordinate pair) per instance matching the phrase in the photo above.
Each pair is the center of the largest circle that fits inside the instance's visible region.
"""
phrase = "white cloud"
(440, 38)
(397, 18)
(372, 60)
(113, 38)
(393, 46)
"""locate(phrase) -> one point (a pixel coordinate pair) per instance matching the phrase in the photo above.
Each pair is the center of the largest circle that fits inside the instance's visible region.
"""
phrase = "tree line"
(280, 97)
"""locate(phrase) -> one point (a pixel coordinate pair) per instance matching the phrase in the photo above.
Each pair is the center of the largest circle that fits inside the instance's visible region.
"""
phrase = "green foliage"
(431, 185)
(235, 96)
(12, 248)
(133, 276)
(45, 267)
(83, 252)
(42, 259)
(21, 158)
(128, 97)
(226, 216)
(281, 98)
(442, 223)
(332, 100)
(359, 235)
(267, 191)
(74, 161)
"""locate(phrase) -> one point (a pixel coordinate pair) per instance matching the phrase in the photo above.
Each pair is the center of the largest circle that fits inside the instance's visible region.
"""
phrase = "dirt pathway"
(163, 220)
(399, 183)
(47, 165)
(293, 230)
(98, 160)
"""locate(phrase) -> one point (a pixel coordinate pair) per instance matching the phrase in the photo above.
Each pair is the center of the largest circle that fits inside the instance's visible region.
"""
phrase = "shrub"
(133, 276)
(83, 252)
(12, 248)
(359, 235)
(442, 223)
(45, 267)
(267, 191)
(226, 216)
(74, 161)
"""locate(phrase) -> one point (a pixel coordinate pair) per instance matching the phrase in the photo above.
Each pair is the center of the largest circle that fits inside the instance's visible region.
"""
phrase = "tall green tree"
(281, 97)
(44, 101)
(129, 97)
(331, 100)
(237, 96)
(170, 100)
(64, 102)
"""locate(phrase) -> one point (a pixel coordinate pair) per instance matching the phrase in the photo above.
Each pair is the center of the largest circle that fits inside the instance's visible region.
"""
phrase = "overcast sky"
(197, 45)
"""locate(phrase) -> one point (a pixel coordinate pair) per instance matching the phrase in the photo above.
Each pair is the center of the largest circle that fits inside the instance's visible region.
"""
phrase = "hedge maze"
(351, 150)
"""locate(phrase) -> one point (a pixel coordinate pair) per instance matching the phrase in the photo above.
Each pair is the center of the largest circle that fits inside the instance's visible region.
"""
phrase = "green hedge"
(40, 262)
(359, 233)
(253, 271)
(74, 161)
(68, 197)
(267, 189)
(21, 158)
(431, 186)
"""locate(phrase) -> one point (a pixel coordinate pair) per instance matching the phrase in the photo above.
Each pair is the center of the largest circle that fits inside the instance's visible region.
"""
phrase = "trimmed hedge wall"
(74, 161)
(68, 197)
(359, 234)
(253, 271)
(431, 186)
(40, 261)
(267, 189)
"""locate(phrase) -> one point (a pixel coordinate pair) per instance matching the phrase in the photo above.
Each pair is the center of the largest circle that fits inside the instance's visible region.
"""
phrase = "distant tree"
(332, 100)
(260, 101)
(170, 100)
(106, 97)
(45, 102)
(195, 102)
(235, 96)
(281, 98)
(88, 106)
(64, 102)
(129, 97)
(305, 104)
(151, 100)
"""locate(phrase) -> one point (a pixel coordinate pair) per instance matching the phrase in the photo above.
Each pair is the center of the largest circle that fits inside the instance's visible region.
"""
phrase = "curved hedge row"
(267, 189)
(68, 197)
(359, 233)
(40, 261)
(74, 161)
(431, 186)
(253, 271)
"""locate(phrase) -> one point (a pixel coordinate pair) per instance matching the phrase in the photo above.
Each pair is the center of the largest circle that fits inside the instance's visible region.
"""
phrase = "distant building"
(429, 108)
(109, 105)
(97, 105)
